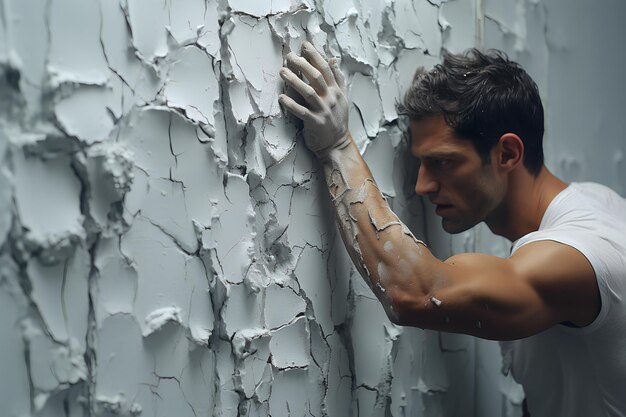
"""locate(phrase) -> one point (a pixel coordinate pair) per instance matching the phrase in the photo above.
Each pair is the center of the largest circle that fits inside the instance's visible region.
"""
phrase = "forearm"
(391, 260)
(476, 294)
(398, 267)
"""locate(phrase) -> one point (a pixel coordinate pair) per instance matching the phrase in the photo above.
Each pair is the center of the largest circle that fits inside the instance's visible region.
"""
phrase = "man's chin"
(455, 227)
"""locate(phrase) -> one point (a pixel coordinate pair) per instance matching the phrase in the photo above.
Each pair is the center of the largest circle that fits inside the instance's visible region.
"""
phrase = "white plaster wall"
(167, 247)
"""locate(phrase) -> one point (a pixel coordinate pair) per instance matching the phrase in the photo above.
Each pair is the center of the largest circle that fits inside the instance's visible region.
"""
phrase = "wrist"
(335, 151)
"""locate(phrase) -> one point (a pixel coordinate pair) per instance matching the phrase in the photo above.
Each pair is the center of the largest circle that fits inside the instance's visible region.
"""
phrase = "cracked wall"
(167, 245)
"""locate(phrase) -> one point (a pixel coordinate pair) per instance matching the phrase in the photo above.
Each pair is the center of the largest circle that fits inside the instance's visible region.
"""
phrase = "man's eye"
(442, 163)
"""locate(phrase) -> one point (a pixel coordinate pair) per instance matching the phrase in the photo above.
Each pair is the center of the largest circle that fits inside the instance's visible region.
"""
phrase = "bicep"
(498, 298)
(563, 277)
(542, 285)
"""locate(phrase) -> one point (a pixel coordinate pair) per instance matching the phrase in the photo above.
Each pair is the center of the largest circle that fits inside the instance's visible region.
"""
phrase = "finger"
(306, 91)
(311, 73)
(318, 61)
(334, 67)
(290, 90)
(293, 68)
(295, 96)
(294, 108)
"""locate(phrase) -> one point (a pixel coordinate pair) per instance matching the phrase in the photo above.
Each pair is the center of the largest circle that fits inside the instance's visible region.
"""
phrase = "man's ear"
(510, 151)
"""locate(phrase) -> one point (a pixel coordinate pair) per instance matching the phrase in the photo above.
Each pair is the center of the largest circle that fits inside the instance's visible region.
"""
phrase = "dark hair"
(481, 97)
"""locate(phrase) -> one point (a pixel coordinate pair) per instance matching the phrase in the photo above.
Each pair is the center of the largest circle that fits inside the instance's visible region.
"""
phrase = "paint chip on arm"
(437, 302)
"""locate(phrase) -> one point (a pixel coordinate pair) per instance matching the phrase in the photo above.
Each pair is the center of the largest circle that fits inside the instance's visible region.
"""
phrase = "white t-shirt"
(580, 372)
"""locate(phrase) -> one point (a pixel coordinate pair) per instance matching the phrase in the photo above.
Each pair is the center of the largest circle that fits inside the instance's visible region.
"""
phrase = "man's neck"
(525, 204)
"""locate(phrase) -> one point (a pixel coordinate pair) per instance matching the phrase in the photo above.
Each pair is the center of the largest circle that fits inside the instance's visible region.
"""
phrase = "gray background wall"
(166, 244)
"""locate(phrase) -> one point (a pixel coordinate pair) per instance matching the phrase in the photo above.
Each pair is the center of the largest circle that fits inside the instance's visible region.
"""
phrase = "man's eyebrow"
(442, 155)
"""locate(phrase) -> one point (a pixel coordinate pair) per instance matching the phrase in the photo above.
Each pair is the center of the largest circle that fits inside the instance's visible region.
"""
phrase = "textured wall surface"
(167, 247)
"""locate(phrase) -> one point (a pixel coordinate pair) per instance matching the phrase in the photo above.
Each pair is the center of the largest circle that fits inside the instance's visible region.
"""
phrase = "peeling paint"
(167, 244)
(191, 267)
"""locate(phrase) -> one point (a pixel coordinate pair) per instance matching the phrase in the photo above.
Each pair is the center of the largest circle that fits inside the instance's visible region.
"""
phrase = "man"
(476, 125)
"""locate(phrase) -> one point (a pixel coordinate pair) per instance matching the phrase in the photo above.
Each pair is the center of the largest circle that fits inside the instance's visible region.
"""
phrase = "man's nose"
(425, 183)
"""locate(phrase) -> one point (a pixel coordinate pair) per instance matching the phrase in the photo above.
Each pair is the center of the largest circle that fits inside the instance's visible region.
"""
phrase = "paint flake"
(43, 187)
(290, 346)
(193, 21)
(75, 54)
(380, 156)
(192, 85)
(364, 95)
(148, 20)
(158, 318)
(116, 285)
(437, 302)
(282, 305)
(86, 114)
(258, 66)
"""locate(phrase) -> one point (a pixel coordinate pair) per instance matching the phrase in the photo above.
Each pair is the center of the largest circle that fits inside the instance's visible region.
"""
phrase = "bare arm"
(380, 245)
(543, 284)
(474, 294)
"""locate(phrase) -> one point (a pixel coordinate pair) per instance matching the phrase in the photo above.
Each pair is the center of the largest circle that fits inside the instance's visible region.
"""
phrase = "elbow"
(403, 293)
(409, 302)
(401, 307)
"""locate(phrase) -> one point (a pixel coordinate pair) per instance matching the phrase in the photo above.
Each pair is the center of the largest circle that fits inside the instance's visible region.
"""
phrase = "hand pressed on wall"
(324, 108)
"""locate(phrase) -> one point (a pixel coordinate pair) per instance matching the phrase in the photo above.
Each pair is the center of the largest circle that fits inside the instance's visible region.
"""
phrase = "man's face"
(453, 176)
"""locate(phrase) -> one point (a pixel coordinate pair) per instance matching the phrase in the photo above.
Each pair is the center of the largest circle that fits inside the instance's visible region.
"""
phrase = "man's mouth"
(440, 208)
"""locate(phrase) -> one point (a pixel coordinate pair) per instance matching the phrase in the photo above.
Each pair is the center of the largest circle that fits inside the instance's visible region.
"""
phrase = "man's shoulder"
(583, 212)
(590, 218)
(600, 199)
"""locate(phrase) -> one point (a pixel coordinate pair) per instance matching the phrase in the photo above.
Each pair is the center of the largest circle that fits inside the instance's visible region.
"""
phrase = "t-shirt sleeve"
(601, 255)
